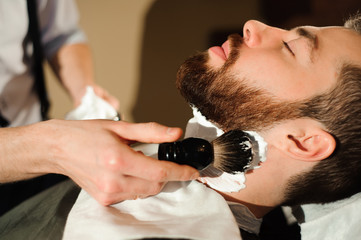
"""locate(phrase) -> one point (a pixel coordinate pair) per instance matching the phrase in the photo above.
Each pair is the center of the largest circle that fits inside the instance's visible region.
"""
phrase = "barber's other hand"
(100, 92)
(97, 156)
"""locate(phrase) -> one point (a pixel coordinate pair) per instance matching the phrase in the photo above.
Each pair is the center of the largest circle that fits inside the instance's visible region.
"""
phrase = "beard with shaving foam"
(226, 99)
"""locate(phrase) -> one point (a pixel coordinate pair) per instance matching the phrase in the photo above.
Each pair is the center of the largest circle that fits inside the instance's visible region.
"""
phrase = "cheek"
(271, 74)
(261, 71)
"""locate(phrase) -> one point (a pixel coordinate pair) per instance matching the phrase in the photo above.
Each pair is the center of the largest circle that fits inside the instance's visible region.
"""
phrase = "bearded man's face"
(226, 98)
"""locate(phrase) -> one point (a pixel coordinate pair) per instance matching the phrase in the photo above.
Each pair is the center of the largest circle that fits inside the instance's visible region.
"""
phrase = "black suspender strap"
(34, 34)
(3, 121)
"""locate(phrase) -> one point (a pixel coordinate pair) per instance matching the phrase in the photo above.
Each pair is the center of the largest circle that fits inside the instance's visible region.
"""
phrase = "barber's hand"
(104, 94)
(97, 156)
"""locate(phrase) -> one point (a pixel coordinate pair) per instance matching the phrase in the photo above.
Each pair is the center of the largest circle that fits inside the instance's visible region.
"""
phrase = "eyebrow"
(311, 37)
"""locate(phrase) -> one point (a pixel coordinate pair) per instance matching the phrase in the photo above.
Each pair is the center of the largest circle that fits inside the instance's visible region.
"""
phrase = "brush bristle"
(233, 151)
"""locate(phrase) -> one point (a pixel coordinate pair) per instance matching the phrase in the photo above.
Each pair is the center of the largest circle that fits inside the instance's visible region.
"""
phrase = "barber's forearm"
(23, 152)
(74, 67)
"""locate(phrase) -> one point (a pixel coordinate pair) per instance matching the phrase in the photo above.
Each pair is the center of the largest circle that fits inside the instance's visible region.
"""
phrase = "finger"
(112, 101)
(128, 188)
(117, 198)
(126, 196)
(152, 169)
(135, 188)
(147, 132)
(102, 93)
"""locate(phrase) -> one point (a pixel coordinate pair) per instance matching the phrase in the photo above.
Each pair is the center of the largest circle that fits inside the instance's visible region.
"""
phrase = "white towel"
(182, 210)
(92, 107)
(338, 220)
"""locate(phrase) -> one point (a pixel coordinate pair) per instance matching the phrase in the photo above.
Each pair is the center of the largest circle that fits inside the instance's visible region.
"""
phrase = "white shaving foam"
(198, 126)
(222, 181)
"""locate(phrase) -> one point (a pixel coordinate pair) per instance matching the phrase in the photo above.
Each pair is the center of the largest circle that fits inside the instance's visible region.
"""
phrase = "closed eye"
(288, 48)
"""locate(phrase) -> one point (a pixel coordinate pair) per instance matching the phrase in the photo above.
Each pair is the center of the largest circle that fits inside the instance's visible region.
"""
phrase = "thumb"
(147, 132)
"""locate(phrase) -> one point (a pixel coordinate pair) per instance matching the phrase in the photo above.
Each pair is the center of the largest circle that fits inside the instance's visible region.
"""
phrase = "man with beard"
(299, 89)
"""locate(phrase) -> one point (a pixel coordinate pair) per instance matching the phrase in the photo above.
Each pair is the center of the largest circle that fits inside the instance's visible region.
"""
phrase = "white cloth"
(58, 25)
(337, 221)
(92, 107)
(182, 210)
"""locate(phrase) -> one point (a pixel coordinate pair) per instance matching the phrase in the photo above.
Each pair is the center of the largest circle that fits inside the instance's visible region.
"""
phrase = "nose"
(256, 33)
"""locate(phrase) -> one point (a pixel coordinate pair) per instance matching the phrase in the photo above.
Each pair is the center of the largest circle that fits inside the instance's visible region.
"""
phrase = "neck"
(259, 197)
(257, 210)
(264, 187)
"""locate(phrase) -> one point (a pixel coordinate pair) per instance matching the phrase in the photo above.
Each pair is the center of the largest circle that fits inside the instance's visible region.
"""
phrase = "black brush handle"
(195, 152)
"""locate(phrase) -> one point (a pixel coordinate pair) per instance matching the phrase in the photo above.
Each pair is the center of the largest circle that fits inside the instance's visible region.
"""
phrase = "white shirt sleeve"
(59, 25)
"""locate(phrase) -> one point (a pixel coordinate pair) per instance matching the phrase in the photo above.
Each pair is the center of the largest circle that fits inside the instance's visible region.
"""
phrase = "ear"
(314, 145)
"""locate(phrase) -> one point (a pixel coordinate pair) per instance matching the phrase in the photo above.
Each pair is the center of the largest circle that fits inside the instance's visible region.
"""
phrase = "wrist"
(17, 161)
(47, 147)
(77, 94)
(26, 152)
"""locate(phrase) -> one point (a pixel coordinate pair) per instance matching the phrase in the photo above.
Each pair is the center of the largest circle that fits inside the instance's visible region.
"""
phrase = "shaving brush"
(231, 152)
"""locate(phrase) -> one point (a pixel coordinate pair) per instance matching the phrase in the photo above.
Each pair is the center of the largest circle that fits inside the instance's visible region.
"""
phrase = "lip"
(225, 47)
(223, 51)
(219, 52)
